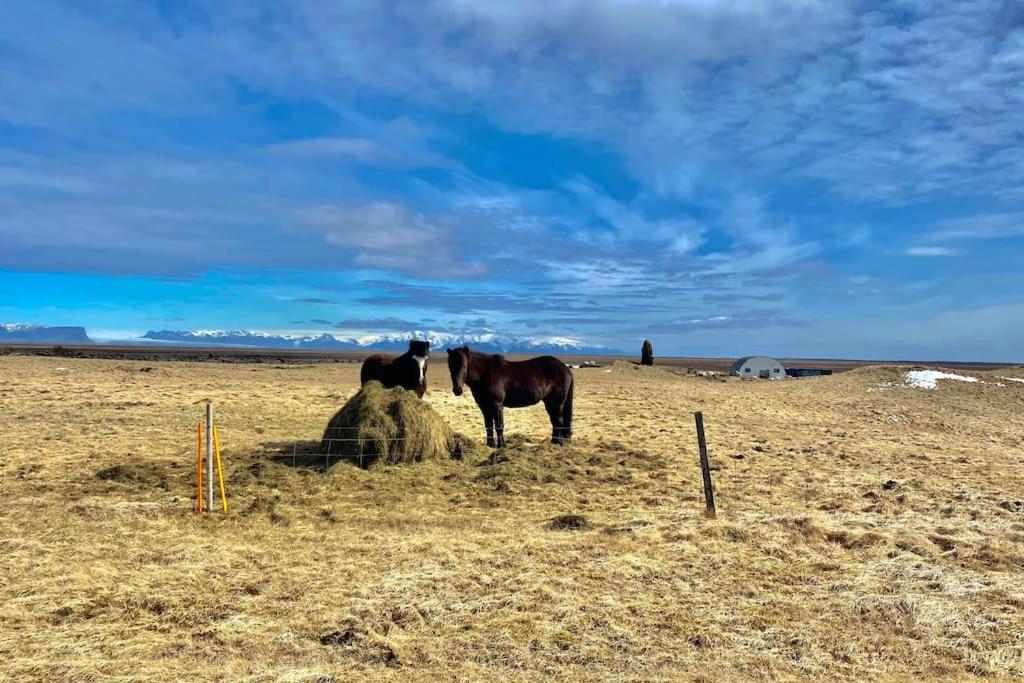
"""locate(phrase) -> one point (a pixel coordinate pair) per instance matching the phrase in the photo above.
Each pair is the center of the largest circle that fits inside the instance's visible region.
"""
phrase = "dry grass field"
(866, 530)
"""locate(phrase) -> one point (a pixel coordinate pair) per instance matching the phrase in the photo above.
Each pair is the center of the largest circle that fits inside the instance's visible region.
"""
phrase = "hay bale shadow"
(301, 454)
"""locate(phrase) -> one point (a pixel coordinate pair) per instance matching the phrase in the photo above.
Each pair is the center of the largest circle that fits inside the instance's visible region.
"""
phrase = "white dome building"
(758, 367)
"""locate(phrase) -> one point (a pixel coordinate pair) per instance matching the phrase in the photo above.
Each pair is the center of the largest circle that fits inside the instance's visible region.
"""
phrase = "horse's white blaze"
(422, 362)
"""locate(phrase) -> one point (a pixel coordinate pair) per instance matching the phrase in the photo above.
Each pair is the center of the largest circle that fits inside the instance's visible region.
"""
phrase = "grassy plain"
(866, 530)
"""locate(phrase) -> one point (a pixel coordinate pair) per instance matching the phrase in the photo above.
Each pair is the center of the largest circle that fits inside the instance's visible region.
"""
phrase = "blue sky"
(792, 177)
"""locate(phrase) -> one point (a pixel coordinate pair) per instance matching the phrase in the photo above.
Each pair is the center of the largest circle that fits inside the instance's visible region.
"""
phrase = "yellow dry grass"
(459, 570)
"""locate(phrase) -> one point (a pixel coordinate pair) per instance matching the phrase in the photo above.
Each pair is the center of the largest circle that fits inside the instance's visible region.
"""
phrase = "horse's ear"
(450, 352)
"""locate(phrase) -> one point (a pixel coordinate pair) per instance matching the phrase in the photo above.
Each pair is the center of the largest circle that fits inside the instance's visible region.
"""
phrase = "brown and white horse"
(408, 371)
(497, 383)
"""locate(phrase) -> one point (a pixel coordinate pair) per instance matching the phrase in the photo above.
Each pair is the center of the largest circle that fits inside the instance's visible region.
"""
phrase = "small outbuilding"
(758, 367)
(807, 372)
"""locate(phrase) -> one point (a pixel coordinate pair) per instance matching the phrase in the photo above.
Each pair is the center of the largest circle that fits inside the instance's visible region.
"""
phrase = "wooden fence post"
(209, 456)
(702, 444)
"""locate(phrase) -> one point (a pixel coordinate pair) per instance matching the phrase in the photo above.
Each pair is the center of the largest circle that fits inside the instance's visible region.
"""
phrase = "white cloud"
(983, 227)
(931, 251)
(853, 236)
(680, 234)
(390, 236)
(364, 151)
(359, 149)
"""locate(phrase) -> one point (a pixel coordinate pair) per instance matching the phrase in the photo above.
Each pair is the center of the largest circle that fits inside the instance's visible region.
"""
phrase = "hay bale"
(390, 426)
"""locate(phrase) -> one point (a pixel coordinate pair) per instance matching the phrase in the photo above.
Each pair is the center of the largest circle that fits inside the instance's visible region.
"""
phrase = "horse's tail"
(567, 410)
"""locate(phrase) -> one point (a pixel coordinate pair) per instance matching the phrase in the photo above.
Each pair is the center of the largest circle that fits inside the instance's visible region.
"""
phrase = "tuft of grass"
(569, 523)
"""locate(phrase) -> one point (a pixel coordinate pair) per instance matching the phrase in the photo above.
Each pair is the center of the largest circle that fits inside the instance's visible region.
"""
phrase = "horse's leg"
(566, 415)
(554, 409)
(488, 414)
(489, 426)
(499, 424)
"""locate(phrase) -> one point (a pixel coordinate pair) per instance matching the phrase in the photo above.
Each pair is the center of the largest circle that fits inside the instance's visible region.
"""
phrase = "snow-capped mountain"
(486, 341)
(41, 334)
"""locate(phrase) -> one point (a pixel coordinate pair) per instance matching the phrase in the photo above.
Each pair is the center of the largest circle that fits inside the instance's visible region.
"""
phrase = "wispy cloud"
(312, 300)
(931, 251)
(749, 320)
(389, 324)
(359, 149)
(983, 227)
(389, 236)
(363, 151)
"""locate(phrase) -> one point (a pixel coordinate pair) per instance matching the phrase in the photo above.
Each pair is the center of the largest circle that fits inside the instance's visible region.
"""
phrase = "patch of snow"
(928, 379)
(1014, 379)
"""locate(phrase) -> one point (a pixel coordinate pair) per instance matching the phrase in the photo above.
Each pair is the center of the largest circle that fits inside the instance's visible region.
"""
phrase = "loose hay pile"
(390, 426)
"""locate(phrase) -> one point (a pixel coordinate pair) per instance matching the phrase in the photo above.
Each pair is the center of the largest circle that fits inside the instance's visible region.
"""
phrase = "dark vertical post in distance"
(705, 468)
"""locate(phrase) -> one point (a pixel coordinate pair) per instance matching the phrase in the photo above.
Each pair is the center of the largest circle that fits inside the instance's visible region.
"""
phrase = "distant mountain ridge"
(42, 334)
(486, 340)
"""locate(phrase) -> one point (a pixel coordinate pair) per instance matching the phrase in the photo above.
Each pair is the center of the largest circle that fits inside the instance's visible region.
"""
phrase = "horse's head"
(419, 348)
(458, 365)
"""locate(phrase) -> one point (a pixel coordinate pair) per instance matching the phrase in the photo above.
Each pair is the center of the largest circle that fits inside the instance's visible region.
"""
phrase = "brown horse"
(497, 383)
(408, 371)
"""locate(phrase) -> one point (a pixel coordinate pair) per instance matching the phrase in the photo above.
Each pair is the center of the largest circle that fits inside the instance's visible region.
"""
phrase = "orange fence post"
(220, 469)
